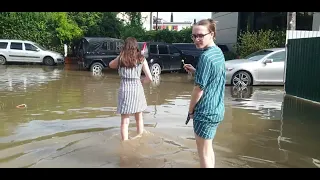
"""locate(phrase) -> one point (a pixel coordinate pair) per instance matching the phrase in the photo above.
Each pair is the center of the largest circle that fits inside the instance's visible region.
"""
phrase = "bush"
(165, 35)
(250, 42)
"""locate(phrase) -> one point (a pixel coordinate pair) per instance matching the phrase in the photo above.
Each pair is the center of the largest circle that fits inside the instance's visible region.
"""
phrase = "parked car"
(264, 67)
(95, 53)
(189, 52)
(162, 57)
(27, 52)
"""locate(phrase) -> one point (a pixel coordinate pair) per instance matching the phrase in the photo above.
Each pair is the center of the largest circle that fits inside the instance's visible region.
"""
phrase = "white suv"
(27, 51)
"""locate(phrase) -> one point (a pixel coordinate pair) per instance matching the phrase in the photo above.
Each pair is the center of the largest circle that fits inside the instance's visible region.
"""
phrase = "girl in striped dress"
(131, 97)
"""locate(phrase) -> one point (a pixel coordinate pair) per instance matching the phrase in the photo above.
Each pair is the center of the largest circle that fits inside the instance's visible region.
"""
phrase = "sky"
(184, 16)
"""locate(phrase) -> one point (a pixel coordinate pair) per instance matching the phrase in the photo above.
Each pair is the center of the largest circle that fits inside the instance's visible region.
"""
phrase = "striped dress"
(131, 97)
(210, 76)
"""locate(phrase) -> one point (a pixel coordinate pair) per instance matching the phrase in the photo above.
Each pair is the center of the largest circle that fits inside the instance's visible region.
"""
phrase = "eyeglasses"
(200, 36)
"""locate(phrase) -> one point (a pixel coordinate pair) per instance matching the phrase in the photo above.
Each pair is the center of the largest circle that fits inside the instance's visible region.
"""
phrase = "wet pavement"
(69, 120)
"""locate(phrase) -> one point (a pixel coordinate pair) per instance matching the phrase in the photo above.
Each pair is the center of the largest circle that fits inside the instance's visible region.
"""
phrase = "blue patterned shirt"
(210, 76)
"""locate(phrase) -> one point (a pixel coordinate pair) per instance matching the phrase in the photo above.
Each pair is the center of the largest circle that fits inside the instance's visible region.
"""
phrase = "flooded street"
(69, 121)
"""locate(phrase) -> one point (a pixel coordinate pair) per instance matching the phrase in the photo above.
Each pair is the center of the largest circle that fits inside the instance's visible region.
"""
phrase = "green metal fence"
(303, 68)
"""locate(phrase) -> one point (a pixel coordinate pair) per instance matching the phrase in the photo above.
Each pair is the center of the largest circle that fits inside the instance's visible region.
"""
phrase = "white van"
(28, 52)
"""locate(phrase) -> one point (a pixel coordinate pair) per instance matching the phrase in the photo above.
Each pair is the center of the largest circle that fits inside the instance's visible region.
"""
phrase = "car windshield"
(41, 47)
(256, 56)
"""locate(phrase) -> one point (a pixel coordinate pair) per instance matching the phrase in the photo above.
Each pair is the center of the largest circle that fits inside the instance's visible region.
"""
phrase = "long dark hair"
(130, 54)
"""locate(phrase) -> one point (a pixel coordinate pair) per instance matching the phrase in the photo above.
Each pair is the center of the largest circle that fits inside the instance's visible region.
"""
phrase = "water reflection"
(71, 114)
(258, 142)
(17, 78)
(265, 101)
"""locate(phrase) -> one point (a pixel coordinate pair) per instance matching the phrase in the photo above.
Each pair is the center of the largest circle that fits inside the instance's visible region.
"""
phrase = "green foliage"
(50, 29)
(250, 42)
(53, 29)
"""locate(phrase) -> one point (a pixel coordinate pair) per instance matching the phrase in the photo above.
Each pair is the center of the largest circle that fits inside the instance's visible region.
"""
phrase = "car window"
(30, 47)
(256, 56)
(16, 46)
(3, 45)
(278, 57)
(173, 50)
(153, 49)
(106, 46)
(140, 45)
(163, 49)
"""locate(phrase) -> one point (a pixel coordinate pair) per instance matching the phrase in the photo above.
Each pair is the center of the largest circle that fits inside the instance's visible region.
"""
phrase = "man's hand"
(189, 68)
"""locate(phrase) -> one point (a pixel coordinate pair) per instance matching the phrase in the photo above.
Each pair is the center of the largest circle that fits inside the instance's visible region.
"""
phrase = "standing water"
(69, 121)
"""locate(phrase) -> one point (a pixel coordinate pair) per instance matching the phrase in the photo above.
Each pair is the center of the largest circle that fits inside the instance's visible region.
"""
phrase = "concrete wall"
(227, 28)
(316, 21)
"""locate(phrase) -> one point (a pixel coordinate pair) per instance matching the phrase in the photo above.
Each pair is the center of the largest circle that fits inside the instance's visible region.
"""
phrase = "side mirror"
(176, 54)
(268, 61)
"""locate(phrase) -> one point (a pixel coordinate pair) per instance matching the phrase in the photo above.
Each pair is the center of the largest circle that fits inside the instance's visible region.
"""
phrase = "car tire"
(155, 69)
(48, 61)
(3, 60)
(96, 67)
(241, 78)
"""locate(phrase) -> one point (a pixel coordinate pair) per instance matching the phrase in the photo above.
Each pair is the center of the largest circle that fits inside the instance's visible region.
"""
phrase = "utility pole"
(157, 22)
(151, 21)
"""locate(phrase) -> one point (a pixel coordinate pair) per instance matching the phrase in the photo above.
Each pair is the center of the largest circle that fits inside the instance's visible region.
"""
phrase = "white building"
(316, 21)
(229, 24)
(227, 28)
(175, 26)
(148, 22)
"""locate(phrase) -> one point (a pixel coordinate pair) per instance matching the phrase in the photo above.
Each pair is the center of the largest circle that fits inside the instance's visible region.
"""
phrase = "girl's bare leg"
(125, 126)
(139, 121)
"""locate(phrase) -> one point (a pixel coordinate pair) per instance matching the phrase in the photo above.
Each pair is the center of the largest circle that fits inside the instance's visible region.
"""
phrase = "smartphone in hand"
(188, 119)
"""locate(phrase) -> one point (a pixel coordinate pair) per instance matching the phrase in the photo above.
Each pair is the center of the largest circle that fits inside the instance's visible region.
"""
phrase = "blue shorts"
(205, 129)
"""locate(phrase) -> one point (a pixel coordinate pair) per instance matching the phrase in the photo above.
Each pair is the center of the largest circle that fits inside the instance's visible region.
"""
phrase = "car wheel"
(48, 61)
(2, 60)
(155, 69)
(96, 67)
(241, 78)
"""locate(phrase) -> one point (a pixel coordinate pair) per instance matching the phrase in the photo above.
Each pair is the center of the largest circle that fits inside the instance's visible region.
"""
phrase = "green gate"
(303, 68)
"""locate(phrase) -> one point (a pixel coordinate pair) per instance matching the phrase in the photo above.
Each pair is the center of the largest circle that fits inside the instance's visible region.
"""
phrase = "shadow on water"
(70, 121)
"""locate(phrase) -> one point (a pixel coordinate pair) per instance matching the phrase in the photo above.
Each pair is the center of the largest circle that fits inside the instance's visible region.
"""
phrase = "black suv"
(95, 53)
(190, 52)
(162, 56)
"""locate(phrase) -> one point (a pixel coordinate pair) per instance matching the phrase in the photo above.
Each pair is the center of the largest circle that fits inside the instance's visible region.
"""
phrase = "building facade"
(230, 24)
(174, 26)
(149, 22)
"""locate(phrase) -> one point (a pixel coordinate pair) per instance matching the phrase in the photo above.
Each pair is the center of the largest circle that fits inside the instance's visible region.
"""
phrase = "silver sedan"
(264, 67)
